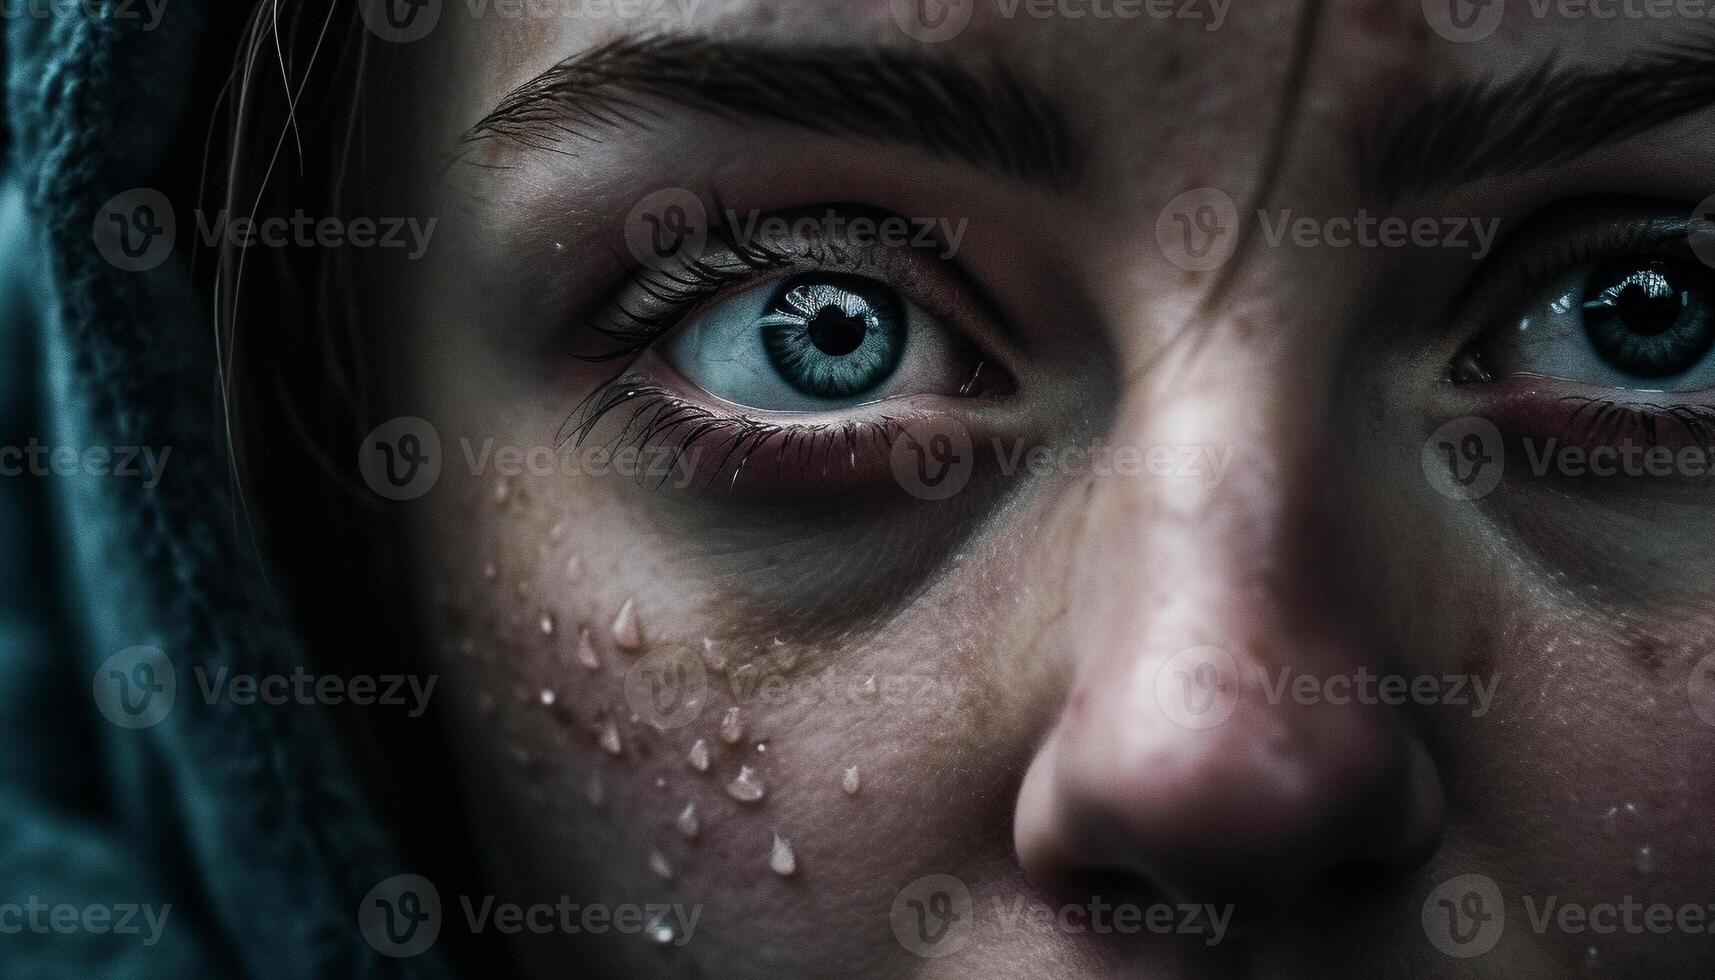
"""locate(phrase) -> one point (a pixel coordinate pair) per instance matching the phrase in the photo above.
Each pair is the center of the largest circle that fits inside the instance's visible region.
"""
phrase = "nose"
(1216, 745)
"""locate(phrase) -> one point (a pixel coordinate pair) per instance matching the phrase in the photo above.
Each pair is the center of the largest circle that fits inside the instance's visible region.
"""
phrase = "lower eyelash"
(1608, 422)
(661, 418)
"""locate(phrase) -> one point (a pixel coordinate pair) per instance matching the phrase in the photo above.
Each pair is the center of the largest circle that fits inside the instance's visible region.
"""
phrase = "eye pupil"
(1648, 304)
(836, 332)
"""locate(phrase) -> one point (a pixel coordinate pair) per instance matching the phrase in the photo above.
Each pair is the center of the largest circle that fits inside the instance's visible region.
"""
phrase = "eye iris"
(833, 336)
(1650, 317)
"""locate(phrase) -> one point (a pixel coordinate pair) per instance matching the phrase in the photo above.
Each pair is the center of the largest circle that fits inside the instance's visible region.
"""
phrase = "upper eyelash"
(678, 290)
(1540, 270)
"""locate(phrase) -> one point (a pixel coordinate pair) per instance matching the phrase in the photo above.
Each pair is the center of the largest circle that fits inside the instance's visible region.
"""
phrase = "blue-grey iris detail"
(834, 336)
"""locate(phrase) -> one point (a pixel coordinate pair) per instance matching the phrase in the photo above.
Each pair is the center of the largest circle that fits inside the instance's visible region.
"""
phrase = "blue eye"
(823, 342)
(834, 336)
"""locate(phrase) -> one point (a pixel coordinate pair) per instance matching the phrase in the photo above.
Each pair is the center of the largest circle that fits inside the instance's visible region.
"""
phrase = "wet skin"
(1026, 635)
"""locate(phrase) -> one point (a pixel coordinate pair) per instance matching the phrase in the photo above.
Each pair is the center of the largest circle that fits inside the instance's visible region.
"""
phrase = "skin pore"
(1016, 633)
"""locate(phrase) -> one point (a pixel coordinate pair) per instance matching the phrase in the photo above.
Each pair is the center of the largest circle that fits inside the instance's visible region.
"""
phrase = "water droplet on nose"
(699, 755)
(732, 729)
(546, 623)
(548, 697)
(662, 933)
(851, 782)
(869, 687)
(762, 746)
(746, 787)
(658, 864)
(586, 651)
(559, 248)
(689, 824)
(1646, 860)
(781, 860)
(627, 629)
(610, 737)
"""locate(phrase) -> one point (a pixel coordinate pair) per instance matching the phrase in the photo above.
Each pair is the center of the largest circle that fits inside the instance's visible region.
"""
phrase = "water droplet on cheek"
(851, 782)
(662, 934)
(713, 658)
(628, 628)
(746, 787)
(609, 737)
(732, 729)
(658, 864)
(548, 697)
(546, 623)
(1646, 860)
(689, 824)
(586, 651)
(781, 859)
(699, 755)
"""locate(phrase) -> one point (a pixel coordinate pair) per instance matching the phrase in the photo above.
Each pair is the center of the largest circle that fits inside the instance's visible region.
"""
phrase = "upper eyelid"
(753, 259)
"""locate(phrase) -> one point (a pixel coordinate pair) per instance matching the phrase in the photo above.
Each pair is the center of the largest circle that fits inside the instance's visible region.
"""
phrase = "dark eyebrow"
(987, 118)
(1546, 117)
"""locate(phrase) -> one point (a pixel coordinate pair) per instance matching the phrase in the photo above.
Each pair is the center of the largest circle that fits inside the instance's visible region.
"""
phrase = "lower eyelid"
(1587, 417)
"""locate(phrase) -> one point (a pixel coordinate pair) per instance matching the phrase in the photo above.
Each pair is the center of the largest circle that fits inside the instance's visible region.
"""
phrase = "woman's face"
(1175, 491)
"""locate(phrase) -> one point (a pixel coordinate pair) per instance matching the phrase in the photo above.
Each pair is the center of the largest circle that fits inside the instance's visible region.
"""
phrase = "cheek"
(1593, 753)
(613, 732)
